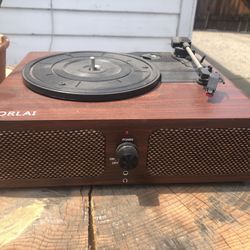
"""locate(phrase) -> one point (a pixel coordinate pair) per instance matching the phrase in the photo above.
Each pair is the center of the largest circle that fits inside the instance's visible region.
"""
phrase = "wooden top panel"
(168, 101)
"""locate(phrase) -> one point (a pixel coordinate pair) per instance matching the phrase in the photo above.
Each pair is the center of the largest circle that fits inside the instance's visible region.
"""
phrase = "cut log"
(44, 219)
(172, 217)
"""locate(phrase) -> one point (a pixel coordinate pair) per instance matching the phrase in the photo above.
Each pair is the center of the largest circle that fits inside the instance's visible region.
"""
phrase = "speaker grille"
(51, 154)
(206, 151)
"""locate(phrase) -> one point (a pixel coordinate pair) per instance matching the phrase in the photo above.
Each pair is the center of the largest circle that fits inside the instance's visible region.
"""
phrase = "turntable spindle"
(92, 64)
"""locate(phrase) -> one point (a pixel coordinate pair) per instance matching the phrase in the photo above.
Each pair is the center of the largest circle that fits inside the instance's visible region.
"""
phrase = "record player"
(93, 117)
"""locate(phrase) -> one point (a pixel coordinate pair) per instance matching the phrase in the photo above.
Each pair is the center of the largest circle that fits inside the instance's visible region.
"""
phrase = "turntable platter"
(91, 76)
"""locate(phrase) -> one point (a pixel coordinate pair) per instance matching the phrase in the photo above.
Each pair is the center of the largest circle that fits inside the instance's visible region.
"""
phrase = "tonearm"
(207, 77)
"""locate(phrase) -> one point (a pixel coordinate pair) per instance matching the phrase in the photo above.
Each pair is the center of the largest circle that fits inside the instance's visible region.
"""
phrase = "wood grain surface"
(172, 217)
(169, 101)
(44, 218)
(211, 216)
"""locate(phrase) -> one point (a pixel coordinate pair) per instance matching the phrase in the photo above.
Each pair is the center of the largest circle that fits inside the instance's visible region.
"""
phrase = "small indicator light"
(209, 94)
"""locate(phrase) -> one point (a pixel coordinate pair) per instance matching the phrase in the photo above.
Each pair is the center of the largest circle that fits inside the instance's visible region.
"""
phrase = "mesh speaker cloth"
(204, 151)
(51, 154)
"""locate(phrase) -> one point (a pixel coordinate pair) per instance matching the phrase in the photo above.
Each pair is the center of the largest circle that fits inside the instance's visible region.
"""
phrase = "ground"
(229, 52)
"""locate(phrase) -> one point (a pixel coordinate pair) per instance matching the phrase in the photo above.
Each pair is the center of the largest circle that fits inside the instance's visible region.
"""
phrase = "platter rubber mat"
(91, 76)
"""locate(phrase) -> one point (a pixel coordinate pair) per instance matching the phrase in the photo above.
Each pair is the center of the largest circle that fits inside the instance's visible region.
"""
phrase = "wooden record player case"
(172, 134)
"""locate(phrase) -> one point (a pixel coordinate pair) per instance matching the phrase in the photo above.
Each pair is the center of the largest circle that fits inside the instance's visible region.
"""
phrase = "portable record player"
(92, 117)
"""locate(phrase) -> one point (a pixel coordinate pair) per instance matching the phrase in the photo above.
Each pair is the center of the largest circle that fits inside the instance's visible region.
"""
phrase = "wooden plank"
(23, 21)
(145, 19)
(158, 6)
(113, 44)
(88, 23)
(44, 218)
(172, 217)
(161, 6)
(122, 24)
(20, 45)
(26, 3)
(186, 20)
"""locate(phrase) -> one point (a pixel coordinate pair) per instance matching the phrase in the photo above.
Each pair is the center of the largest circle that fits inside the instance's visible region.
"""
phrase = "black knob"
(127, 155)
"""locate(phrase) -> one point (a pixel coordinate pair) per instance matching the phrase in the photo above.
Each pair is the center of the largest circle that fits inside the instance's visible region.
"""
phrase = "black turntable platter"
(91, 76)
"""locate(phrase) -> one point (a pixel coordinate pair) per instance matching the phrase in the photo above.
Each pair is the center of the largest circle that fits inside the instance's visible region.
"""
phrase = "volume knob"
(127, 155)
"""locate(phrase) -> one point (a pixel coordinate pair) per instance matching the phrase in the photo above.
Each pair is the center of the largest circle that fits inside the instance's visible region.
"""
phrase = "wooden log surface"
(211, 216)
(44, 218)
(172, 217)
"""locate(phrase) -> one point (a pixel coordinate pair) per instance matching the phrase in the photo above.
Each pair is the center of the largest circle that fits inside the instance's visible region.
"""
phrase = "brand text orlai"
(17, 113)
